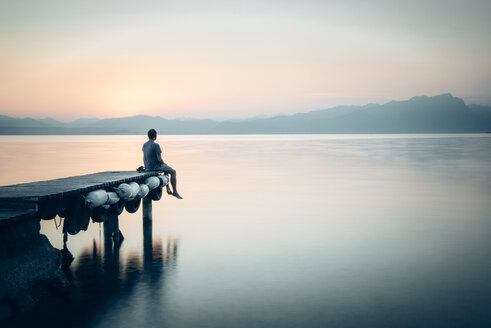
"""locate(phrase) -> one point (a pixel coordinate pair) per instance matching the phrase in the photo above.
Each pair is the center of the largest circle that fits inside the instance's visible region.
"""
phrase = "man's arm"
(158, 152)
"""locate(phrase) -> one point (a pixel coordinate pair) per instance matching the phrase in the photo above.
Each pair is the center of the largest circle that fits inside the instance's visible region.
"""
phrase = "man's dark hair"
(152, 134)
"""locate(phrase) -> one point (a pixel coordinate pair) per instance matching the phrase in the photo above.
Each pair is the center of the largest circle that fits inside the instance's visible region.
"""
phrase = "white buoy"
(124, 191)
(135, 189)
(152, 182)
(96, 198)
(112, 198)
(144, 190)
(164, 180)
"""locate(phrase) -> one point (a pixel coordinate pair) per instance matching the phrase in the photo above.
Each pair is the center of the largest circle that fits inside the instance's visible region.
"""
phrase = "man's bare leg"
(173, 182)
(169, 191)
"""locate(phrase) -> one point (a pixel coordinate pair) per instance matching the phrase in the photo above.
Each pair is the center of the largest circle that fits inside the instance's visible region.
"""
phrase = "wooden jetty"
(21, 201)
(29, 265)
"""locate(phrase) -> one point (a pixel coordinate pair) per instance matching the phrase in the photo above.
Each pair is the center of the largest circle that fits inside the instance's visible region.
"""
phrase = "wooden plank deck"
(52, 189)
(15, 214)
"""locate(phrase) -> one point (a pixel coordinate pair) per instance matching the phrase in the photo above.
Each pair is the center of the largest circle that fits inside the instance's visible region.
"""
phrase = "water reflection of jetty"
(104, 280)
(29, 265)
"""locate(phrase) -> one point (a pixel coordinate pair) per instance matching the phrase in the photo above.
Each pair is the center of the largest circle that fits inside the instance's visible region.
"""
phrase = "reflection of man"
(152, 159)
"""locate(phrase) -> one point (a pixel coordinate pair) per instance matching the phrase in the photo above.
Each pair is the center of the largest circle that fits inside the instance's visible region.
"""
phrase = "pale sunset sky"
(227, 59)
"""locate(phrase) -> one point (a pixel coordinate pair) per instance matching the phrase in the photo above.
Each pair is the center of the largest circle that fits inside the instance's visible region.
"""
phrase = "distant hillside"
(126, 125)
(438, 114)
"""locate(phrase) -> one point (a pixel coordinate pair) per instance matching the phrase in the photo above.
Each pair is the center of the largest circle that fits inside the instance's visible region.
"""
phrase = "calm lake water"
(279, 231)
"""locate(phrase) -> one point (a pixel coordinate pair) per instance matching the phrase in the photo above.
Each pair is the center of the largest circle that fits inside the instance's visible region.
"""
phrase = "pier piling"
(147, 209)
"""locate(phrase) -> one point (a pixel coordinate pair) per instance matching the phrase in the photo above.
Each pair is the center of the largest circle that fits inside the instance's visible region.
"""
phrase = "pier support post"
(147, 242)
(108, 232)
(116, 235)
(147, 209)
(147, 231)
(111, 230)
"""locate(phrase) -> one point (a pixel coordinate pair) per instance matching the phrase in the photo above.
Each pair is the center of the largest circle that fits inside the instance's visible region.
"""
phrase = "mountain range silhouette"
(437, 114)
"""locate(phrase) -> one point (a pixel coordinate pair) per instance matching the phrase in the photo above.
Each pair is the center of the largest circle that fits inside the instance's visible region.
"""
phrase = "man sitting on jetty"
(152, 159)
